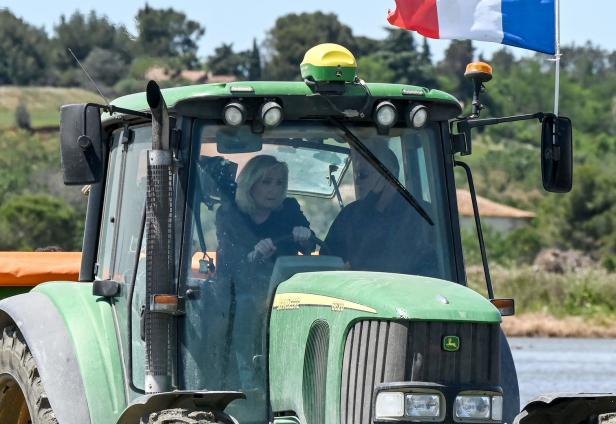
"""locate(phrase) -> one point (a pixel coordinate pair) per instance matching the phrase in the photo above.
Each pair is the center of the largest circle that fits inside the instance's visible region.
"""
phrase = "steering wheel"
(289, 238)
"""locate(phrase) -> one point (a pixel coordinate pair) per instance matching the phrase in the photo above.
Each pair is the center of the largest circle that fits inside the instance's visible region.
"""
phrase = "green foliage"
(293, 34)
(373, 68)
(168, 33)
(518, 247)
(451, 68)
(25, 156)
(129, 85)
(588, 219)
(86, 36)
(244, 65)
(25, 51)
(105, 66)
(402, 61)
(29, 221)
(587, 293)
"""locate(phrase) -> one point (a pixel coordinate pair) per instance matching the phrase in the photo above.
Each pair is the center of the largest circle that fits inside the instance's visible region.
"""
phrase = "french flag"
(529, 24)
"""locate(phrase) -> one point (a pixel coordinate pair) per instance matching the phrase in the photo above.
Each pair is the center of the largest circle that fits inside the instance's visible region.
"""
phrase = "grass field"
(43, 103)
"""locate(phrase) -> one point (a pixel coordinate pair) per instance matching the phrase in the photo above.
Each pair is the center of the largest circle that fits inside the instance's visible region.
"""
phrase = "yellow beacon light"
(480, 70)
(329, 62)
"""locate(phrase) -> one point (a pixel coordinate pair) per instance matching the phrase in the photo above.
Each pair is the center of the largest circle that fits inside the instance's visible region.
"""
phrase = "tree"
(24, 51)
(244, 65)
(29, 154)
(168, 33)
(426, 54)
(225, 61)
(30, 221)
(254, 67)
(405, 64)
(82, 34)
(373, 68)
(502, 61)
(459, 54)
(105, 66)
(366, 46)
(293, 34)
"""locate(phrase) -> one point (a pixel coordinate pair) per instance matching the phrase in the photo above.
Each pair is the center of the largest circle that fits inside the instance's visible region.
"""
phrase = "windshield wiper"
(382, 169)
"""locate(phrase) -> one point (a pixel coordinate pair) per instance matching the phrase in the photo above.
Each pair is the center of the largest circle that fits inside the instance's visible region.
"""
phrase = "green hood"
(387, 296)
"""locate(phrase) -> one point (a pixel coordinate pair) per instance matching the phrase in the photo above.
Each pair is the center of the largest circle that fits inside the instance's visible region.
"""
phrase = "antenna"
(85, 71)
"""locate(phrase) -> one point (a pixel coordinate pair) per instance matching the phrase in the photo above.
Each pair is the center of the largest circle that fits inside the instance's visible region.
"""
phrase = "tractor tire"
(184, 416)
(22, 396)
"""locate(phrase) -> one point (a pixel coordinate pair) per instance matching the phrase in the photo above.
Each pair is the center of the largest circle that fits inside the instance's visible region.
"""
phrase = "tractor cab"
(356, 217)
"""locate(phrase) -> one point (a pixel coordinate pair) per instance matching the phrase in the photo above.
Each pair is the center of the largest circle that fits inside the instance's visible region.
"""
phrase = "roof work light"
(234, 114)
(385, 115)
(417, 116)
(271, 114)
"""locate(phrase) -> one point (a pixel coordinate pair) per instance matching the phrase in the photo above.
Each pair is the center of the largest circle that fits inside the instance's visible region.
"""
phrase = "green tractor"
(270, 252)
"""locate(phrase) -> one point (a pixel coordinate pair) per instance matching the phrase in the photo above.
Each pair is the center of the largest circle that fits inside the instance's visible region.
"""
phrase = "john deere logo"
(451, 343)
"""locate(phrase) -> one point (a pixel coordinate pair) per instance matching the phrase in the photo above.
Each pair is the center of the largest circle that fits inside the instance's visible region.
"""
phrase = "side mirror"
(81, 143)
(557, 154)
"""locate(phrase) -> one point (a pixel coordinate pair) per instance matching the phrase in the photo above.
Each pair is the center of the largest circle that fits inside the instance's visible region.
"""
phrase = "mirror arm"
(475, 123)
(482, 246)
(111, 109)
(114, 109)
(462, 139)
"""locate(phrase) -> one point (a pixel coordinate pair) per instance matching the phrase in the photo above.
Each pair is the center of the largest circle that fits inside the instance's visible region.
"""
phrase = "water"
(564, 365)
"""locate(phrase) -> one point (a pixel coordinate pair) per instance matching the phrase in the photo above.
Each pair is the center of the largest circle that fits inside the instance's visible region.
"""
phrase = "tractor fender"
(573, 408)
(49, 341)
(191, 400)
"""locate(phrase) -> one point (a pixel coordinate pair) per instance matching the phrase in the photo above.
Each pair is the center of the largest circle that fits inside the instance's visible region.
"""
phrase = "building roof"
(488, 208)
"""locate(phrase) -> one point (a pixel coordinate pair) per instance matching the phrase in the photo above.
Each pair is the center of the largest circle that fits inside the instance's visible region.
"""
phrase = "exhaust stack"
(159, 333)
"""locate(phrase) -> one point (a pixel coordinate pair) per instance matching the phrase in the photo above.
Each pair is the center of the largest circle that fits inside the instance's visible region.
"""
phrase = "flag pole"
(557, 58)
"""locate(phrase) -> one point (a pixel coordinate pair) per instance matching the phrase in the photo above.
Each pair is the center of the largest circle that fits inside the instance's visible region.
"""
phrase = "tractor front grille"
(396, 351)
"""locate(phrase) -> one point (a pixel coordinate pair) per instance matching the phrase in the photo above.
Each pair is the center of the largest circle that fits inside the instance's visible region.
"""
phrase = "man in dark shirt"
(380, 231)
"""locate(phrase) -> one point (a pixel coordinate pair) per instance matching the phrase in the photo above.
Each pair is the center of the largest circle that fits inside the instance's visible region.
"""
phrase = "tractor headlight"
(478, 407)
(271, 114)
(417, 116)
(385, 116)
(389, 405)
(422, 405)
(234, 114)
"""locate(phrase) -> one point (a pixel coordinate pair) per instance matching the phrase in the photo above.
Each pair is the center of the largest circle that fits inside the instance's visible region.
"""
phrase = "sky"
(240, 21)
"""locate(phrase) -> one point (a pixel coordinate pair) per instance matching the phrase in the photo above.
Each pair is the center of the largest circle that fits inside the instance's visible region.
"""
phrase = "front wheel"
(22, 396)
(184, 416)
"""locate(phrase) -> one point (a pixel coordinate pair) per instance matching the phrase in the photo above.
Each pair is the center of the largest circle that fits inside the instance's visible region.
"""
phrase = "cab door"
(121, 250)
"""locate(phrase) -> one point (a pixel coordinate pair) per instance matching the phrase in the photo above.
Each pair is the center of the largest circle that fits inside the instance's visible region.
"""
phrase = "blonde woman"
(264, 223)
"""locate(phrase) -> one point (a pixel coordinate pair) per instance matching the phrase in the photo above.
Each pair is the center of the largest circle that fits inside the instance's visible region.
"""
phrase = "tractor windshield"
(300, 190)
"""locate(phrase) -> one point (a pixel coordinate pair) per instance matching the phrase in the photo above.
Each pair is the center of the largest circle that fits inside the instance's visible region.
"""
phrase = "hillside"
(43, 103)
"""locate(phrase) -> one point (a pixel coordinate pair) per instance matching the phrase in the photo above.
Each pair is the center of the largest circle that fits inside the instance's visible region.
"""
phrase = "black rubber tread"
(181, 416)
(17, 361)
